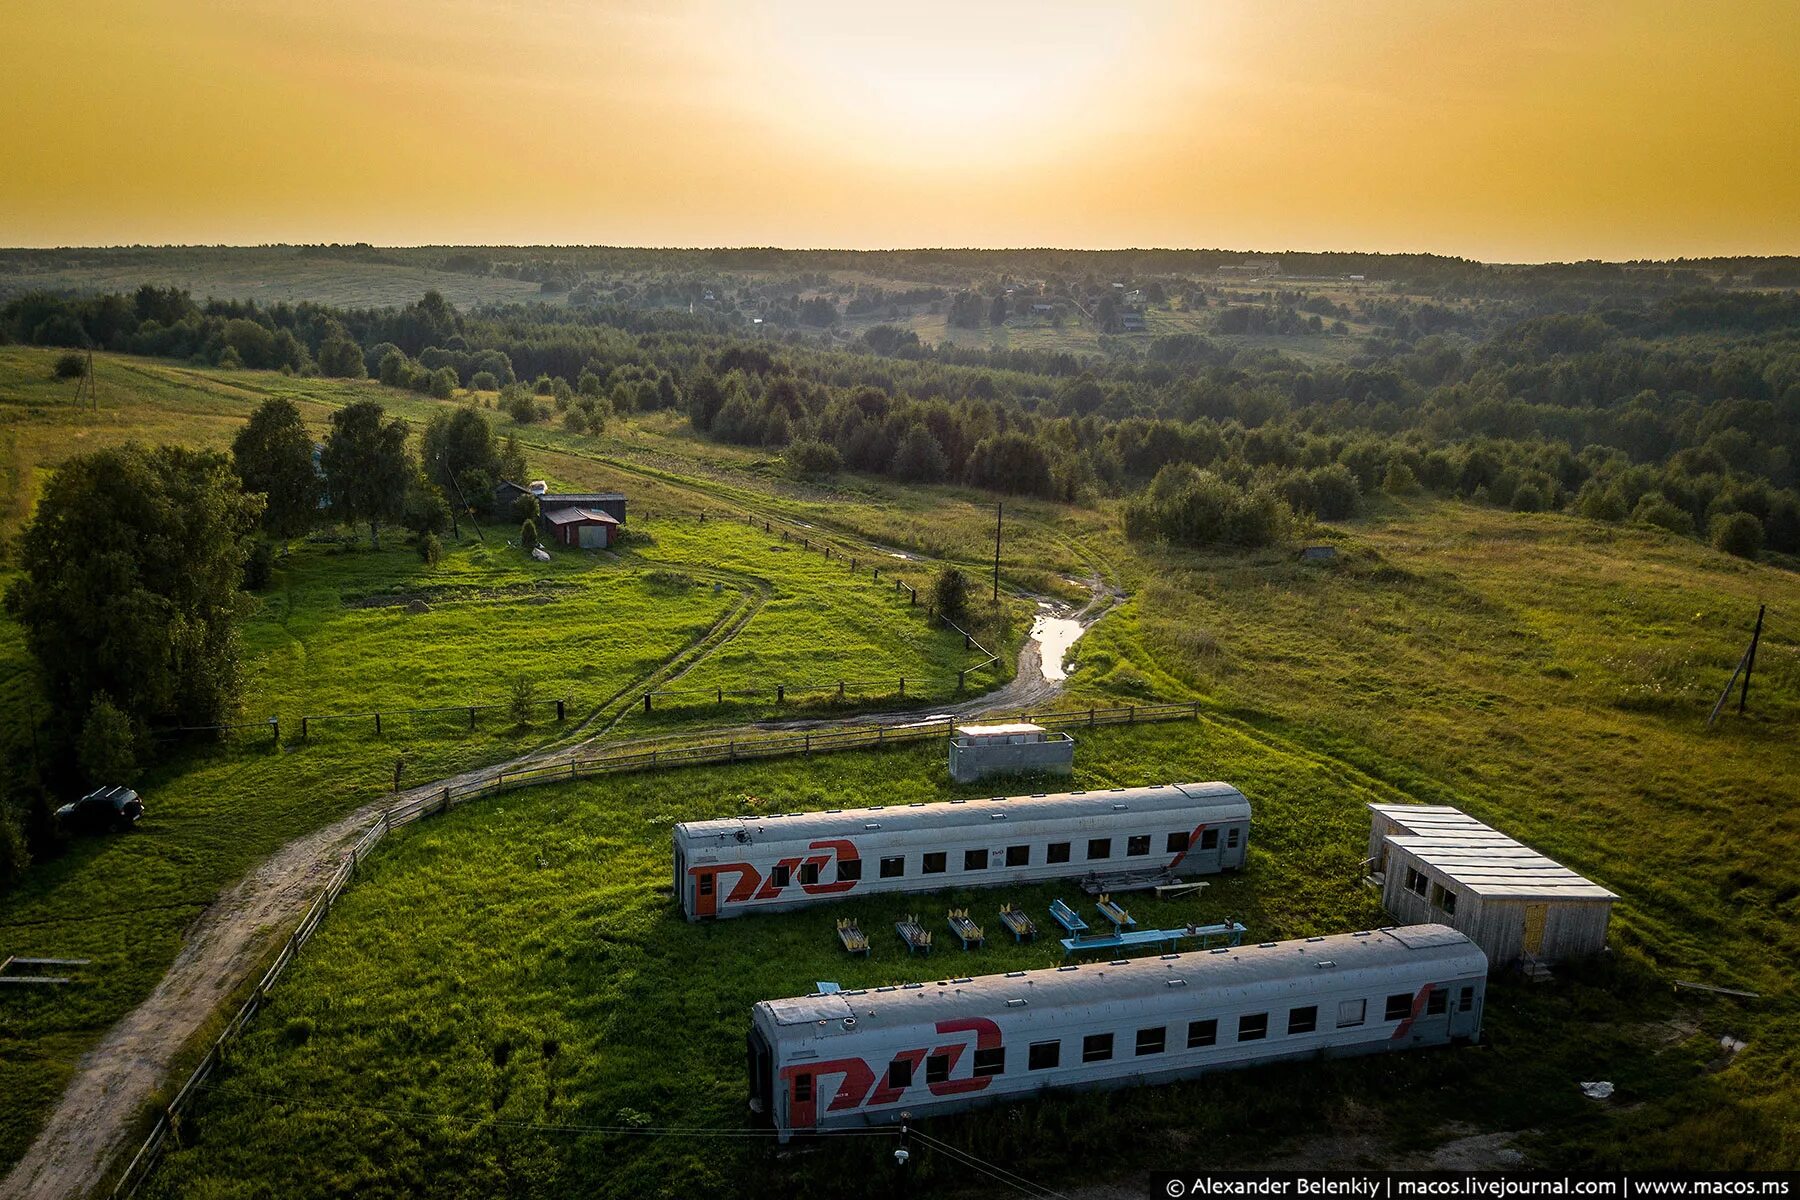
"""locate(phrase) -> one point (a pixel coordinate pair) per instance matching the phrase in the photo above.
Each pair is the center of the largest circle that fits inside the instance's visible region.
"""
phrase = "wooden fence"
(169, 1121)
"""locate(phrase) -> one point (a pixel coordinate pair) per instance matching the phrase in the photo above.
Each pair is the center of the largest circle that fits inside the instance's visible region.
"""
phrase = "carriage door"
(706, 900)
(802, 1106)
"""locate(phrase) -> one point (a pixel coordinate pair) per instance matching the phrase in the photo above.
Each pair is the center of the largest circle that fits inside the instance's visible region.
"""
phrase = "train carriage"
(863, 1057)
(728, 867)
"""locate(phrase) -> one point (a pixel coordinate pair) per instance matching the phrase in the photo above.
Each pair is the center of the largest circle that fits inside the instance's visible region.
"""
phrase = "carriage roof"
(1225, 802)
(1144, 981)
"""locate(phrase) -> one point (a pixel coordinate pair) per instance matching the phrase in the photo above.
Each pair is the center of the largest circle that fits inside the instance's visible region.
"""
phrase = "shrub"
(431, 550)
(1335, 493)
(525, 507)
(443, 383)
(1400, 480)
(71, 366)
(524, 691)
(809, 457)
(107, 750)
(1600, 503)
(1656, 510)
(1527, 499)
(950, 593)
(1738, 533)
(521, 407)
(15, 854)
(484, 381)
(259, 567)
(528, 534)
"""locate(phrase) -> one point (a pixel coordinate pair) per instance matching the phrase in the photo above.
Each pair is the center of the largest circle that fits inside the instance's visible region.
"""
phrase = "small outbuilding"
(1438, 864)
(978, 751)
(584, 528)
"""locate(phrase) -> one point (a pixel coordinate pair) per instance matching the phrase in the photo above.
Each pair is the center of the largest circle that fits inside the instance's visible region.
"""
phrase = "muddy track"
(115, 1082)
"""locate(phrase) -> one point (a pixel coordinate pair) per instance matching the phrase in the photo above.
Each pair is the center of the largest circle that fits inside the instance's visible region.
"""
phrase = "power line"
(968, 1158)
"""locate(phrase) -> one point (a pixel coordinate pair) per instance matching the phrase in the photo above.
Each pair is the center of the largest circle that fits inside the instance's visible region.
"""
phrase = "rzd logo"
(751, 885)
(859, 1082)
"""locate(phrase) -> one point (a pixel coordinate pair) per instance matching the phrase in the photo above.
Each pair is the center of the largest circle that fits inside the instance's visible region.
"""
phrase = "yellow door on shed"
(1534, 927)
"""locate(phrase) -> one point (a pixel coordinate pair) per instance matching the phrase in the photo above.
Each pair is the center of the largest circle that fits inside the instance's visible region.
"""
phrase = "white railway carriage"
(728, 867)
(863, 1057)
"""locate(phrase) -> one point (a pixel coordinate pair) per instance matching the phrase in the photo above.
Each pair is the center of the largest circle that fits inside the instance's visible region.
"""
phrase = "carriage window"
(937, 1068)
(1231, 839)
(1352, 1013)
(1303, 1020)
(975, 860)
(893, 868)
(900, 1074)
(1099, 848)
(1466, 1001)
(1150, 1041)
(1044, 1055)
(1056, 852)
(1178, 842)
(1202, 1033)
(991, 1061)
(706, 884)
(1209, 839)
(849, 868)
(934, 863)
(1096, 1047)
(1443, 898)
(1253, 1027)
(809, 873)
(802, 1088)
(1438, 1002)
(1399, 1006)
(1138, 845)
(1415, 882)
(778, 875)
(1018, 856)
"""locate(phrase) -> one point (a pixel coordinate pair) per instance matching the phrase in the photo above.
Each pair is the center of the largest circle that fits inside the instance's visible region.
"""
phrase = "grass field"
(387, 1058)
(339, 633)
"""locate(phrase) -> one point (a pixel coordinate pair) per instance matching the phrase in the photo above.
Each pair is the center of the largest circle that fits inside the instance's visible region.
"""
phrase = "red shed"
(587, 528)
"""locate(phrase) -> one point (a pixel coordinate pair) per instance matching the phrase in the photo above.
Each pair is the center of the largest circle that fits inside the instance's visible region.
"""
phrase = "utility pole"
(1750, 659)
(998, 509)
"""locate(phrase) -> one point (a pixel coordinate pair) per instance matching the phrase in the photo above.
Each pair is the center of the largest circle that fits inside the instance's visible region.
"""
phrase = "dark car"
(102, 808)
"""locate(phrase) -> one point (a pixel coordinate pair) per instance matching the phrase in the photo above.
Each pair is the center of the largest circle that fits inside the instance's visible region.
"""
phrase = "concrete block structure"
(978, 751)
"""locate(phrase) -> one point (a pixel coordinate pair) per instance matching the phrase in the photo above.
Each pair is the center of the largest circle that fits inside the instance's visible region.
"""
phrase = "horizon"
(1521, 134)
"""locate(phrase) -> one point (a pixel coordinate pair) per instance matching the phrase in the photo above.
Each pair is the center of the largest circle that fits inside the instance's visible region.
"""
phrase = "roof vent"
(889, 988)
(1070, 968)
(1167, 957)
(917, 804)
(834, 810)
(871, 824)
(1265, 945)
(911, 986)
(959, 801)
(849, 1022)
(1015, 974)
(1360, 933)
(964, 979)
(1315, 939)
(1119, 962)
(1324, 964)
(996, 816)
(1220, 950)
(1015, 1003)
(1177, 983)
(1118, 808)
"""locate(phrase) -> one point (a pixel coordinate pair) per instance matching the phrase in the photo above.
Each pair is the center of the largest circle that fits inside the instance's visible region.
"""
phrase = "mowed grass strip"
(475, 998)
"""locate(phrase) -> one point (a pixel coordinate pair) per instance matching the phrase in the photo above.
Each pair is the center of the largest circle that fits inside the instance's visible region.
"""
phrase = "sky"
(1508, 131)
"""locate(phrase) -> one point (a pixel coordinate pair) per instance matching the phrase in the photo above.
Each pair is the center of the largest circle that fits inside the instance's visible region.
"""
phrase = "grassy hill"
(1550, 674)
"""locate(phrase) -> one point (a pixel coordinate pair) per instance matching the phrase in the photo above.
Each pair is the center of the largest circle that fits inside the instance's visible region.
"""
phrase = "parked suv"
(102, 808)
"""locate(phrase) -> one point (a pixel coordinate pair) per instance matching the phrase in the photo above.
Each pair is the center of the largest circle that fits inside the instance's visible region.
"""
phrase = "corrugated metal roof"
(1228, 802)
(1136, 979)
(1499, 867)
(575, 516)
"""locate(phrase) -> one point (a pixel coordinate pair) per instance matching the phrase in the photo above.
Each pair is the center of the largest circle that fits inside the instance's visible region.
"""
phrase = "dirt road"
(94, 1120)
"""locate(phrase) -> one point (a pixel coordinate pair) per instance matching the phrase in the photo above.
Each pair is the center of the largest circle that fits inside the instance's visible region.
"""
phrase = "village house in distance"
(586, 520)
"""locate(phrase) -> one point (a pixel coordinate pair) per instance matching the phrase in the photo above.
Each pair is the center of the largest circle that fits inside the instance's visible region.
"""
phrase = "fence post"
(1090, 718)
(840, 689)
(903, 687)
(275, 730)
(377, 724)
(303, 729)
(965, 641)
(877, 574)
(720, 699)
(807, 747)
(646, 701)
(880, 734)
(559, 710)
(1131, 715)
(780, 693)
(443, 807)
(853, 566)
(959, 680)
(1196, 708)
(731, 750)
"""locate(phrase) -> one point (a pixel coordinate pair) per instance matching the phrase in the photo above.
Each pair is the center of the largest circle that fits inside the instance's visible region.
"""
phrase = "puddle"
(1054, 636)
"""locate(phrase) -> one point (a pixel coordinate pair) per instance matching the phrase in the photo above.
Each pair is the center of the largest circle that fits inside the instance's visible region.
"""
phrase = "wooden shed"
(1439, 864)
(587, 528)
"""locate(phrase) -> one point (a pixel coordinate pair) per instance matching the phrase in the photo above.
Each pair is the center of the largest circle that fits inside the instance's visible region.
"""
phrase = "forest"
(1621, 394)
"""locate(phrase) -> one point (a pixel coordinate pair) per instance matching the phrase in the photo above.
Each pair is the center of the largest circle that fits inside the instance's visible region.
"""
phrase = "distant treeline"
(1678, 410)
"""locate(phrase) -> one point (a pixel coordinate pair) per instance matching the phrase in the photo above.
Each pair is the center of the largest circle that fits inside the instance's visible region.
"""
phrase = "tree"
(528, 534)
(273, 453)
(809, 457)
(107, 752)
(395, 369)
(431, 550)
(1400, 480)
(71, 366)
(129, 584)
(1738, 533)
(1654, 509)
(366, 466)
(525, 507)
(443, 383)
(483, 381)
(427, 513)
(919, 458)
(950, 593)
(341, 358)
(997, 311)
(1335, 492)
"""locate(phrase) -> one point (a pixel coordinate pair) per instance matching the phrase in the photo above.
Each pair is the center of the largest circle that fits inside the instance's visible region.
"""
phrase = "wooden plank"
(1722, 991)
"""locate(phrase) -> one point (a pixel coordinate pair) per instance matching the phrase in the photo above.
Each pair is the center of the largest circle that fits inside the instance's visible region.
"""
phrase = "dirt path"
(99, 1111)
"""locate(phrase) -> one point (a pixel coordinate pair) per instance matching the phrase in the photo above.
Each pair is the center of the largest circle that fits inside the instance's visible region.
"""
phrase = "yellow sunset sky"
(1516, 131)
